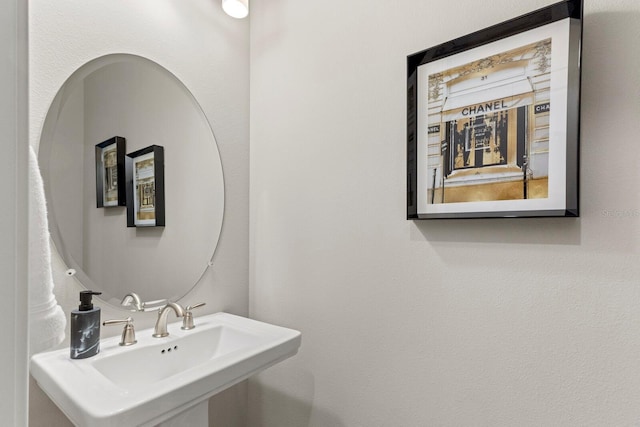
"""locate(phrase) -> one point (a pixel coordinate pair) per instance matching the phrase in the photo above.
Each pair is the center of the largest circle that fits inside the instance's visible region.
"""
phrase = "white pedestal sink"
(157, 379)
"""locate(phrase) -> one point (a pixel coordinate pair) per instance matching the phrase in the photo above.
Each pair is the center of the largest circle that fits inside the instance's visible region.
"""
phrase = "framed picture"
(145, 187)
(493, 120)
(110, 173)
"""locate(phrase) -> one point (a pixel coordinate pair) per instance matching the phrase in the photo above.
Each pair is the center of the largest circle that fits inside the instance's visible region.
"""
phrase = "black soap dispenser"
(85, 327)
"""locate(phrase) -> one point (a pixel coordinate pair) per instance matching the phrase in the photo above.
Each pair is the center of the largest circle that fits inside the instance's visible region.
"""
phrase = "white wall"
(208, 52)
(410, 324)
(13, 212)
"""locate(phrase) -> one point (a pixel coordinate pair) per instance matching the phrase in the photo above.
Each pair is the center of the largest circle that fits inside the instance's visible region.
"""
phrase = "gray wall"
(484, 322)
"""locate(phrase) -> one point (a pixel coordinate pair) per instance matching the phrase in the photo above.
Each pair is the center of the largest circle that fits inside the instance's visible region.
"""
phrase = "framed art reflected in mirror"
(110, 173)
(145, 187)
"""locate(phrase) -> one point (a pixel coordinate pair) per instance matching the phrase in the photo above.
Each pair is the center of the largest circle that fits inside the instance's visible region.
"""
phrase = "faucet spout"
(160, 329)
(132, 300)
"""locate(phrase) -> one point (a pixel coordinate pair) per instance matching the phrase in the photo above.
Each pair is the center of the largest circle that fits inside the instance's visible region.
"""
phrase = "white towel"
(47, 321)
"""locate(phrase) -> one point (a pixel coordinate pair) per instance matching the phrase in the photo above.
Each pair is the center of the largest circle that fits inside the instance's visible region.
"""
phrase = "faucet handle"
(191, 307)
(187, 320)
(128, 333)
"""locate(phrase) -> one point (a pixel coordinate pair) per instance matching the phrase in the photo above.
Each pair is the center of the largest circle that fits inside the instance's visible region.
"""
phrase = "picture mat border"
(559, 34)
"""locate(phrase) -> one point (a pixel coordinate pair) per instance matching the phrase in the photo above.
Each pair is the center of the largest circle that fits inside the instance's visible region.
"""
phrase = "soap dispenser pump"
(85, 327)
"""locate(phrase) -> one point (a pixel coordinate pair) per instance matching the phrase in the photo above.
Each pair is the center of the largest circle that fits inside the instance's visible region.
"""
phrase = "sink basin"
(158, 378)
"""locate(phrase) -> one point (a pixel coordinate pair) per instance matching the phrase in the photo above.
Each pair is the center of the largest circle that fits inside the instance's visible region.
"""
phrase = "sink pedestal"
(198, 416)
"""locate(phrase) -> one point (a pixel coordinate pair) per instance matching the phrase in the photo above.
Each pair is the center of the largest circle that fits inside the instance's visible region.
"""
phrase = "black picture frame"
(145, 187)
(110, 172)
(493, 120)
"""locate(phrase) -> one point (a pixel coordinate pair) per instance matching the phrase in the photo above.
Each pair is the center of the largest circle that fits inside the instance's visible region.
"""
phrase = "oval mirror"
(141, 102)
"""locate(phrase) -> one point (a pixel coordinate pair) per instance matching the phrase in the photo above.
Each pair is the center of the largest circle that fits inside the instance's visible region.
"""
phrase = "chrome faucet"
(134, 303)
(132, 299)
(128, 333)
(161, 324)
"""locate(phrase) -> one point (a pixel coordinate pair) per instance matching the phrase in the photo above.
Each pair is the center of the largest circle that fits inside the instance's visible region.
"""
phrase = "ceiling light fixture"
(236, 8)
